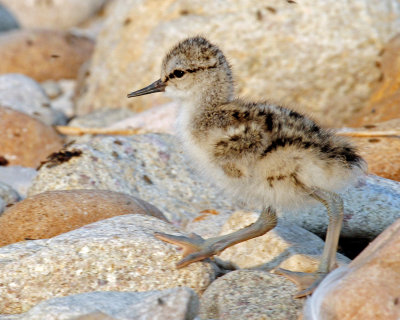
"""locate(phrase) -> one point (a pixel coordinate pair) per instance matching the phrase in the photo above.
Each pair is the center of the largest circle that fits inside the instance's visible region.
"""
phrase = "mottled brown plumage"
(259, 152)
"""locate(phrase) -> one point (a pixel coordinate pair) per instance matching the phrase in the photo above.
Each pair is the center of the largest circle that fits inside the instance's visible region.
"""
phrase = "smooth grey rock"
(65, 102)
(18, 177)
(149, 166)
(170, 304)
(7, 196)
(7, 20)
(54, 14)
(252, 295)
(24, 94)
(369, 208)
(116, 254)
(52, 89)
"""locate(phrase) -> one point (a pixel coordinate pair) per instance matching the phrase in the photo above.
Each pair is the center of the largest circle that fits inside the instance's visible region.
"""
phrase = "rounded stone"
(51, 213)
(368, 288)
(24, 94)
(43, 54)
(25, 140)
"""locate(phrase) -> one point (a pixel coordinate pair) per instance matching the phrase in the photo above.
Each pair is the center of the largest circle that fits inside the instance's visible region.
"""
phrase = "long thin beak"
(156, 86)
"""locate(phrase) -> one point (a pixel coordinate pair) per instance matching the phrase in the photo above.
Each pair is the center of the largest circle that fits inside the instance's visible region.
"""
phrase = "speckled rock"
(7, 20)
(116, 254)
(151, 167)
(302, 53)
(51, 213)
(369, 208)
(53, 14)
(367, 289)
(43, 54)
(25, 140)
(286, 246)
(382, 154)
(384, 102)
(8, 196)
(24, 94)
(101, 118)
(252, 295)
(169, 304)
(19, 178)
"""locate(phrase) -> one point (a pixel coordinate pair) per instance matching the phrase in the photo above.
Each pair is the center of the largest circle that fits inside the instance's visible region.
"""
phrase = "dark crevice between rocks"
(352, 247)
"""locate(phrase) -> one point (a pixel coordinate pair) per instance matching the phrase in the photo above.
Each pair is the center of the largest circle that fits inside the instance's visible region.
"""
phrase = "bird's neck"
(209, 94)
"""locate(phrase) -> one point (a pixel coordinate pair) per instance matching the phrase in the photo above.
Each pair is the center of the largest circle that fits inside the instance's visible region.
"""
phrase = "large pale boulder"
(116, 254)
(320, 55)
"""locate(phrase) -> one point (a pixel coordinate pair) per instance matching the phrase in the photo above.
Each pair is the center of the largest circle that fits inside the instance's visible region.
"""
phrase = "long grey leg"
(196, 248)
(334, 205)
(308, 282)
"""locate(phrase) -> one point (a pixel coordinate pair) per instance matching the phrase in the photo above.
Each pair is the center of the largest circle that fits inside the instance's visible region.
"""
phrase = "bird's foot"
(306, 282)
(195, 248)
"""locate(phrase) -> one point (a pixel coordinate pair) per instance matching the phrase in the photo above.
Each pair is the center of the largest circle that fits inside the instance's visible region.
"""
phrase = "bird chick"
(259, 152)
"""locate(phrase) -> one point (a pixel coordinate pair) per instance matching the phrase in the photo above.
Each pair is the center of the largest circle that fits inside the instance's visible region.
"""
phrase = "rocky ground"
(81, 195)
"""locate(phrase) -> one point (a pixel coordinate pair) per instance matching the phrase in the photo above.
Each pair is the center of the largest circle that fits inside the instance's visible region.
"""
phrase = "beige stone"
(320, 55)
(48, 214)
(367, 289)
(25, 141)
(43, 54)
(250, 295)
(286, 246)
(116, 254)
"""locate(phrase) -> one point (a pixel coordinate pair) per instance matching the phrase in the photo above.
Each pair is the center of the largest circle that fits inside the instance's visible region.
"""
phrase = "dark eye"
(179, 73)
